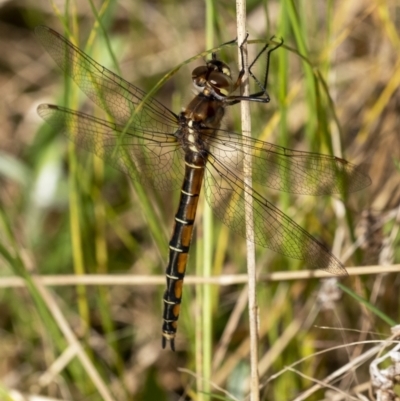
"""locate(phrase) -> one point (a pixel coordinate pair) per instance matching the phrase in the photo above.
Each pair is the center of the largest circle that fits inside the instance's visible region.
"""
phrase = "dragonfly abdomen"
(180, 243)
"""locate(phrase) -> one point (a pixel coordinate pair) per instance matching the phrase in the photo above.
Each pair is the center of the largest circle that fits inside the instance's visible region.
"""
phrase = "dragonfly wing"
(225, 192)
(119, 98)
(285, 169)
(149, 157)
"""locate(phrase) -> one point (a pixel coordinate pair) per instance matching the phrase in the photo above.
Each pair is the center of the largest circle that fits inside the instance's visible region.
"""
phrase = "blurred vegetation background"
(65, 213)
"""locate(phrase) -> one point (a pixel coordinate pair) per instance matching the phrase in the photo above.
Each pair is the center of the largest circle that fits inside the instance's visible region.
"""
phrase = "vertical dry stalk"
(251, 270)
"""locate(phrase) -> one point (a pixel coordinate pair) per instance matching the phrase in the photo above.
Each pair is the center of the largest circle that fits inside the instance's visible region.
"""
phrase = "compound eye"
(199, 71)
(220, 82)
(199, 75)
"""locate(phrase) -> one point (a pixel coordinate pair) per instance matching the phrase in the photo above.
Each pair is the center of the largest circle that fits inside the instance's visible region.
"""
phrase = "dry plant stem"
(251, 269)
(352, 365)
(230, 327)
(319, 384)
(212, 383)
(223, 280)
(288, 335)
(231, 360)
(74, 343)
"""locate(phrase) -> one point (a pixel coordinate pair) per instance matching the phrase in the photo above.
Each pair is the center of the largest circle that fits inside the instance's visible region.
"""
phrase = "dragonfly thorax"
(203, 112)
(198, 122)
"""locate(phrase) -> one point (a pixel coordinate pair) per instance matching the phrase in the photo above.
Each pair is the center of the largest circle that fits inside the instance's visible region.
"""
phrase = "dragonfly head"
(213, 79)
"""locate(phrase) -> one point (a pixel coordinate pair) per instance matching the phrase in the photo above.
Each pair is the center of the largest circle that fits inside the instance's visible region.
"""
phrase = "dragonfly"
(190, 150)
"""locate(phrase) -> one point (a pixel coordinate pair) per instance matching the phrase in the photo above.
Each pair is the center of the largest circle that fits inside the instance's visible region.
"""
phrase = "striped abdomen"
(180, 243)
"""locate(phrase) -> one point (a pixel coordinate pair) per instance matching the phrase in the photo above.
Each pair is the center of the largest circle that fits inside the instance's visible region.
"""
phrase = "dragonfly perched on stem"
(165, 150)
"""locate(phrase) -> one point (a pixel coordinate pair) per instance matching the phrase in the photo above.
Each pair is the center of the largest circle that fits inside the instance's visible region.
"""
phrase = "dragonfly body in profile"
(157, 147)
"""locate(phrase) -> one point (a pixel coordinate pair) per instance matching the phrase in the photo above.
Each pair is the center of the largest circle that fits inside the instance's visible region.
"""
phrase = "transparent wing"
(149, 157)
(149, 152)
(119, 98)
(224, 192)
(287, 170)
